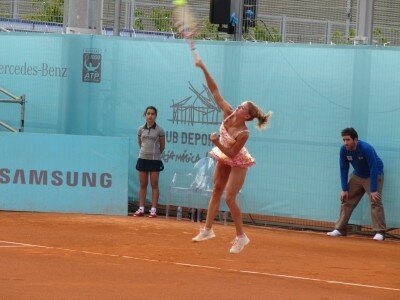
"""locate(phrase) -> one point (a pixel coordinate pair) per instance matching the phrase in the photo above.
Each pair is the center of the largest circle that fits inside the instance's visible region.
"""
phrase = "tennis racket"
(186, 24)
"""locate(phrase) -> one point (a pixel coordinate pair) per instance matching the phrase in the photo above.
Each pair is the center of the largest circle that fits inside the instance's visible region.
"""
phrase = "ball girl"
(151, 139)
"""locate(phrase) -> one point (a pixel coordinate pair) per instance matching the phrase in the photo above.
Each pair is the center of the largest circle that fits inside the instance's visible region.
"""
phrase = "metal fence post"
(348, 17)
(15, 9)
(99, 17)
(283, 29)
(237, 8)
(117, 17)
(365, 13)
(328, 29)
(65, 15)
(128, 14)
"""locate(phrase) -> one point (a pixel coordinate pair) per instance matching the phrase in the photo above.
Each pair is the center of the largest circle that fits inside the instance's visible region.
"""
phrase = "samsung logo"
(55, 178)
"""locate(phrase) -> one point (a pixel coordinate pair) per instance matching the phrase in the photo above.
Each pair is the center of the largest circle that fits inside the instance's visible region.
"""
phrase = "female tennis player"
(151, 139)
(232, 158)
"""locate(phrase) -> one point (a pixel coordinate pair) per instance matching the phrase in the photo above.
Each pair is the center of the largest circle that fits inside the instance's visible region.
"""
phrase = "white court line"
(13, 246)
(17, 244)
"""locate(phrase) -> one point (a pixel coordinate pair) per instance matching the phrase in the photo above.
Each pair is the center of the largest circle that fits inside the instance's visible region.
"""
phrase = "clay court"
(73, 256)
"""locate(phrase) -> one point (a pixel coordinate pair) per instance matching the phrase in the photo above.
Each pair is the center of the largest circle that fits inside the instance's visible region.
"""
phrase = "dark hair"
(256, 112)
(150, 107)
(350, 132)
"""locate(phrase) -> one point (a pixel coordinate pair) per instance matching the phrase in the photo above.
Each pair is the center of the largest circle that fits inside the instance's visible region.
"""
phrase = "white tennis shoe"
(205, 234)
(239, 243)
(378, 237)
(334, 233)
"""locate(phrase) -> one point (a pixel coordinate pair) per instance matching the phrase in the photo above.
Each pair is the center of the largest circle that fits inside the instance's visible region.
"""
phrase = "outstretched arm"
(221, 102)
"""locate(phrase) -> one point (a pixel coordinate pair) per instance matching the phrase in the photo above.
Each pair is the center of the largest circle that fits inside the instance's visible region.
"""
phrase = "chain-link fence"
(34, 10)
(311, 21)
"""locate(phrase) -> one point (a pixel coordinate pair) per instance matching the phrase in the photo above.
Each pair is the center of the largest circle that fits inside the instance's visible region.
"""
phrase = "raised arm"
(221, 102)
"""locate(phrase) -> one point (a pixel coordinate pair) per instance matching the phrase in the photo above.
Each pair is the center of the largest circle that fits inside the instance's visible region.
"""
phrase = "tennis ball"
(179, 2)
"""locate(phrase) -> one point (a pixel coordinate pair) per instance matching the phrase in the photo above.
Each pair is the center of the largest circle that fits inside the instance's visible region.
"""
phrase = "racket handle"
(195, 54)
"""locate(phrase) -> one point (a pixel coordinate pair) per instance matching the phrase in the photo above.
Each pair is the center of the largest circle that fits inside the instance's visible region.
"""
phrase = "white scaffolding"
(14, 100)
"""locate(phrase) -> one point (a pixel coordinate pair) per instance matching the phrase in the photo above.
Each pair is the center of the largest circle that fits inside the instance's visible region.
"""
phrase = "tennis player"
(232, 158)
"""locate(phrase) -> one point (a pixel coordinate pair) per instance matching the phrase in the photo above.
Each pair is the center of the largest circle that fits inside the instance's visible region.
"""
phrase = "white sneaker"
(204, 234)
(239, 243)
(378, 237)
(334, 233)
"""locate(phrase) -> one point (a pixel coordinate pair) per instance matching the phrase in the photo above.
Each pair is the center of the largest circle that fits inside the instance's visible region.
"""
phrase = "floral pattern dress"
(243, 159)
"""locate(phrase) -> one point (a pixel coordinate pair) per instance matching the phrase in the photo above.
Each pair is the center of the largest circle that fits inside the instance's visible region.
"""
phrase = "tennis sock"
(153, 209)
(141, 208)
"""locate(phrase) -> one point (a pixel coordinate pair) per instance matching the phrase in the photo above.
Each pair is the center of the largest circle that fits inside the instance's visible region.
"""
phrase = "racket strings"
(186, 25)
(184, 22)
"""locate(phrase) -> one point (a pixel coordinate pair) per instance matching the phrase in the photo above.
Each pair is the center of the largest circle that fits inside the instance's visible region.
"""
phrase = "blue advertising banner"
(100, 86)
(63, 173)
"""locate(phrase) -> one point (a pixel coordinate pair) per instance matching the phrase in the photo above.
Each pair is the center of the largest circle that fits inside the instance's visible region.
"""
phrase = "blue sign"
(64, 173)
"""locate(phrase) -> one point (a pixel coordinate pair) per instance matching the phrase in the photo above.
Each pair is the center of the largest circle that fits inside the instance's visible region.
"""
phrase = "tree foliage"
(139, 14)
(47, 11)
(261, 32)
(162, 19)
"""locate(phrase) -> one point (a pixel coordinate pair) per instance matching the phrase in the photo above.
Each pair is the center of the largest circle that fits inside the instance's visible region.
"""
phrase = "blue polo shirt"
(365, 162)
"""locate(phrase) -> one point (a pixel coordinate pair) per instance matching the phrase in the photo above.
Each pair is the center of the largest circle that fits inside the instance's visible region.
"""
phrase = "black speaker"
(220, 11)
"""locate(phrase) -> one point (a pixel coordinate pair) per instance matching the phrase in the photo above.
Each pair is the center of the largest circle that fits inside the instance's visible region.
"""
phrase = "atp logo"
(91, 65)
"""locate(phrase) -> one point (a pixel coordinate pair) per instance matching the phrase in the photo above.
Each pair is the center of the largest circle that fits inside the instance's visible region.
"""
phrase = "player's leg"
(221, 176)
(155, 193)
(233, 187)
(356, 191)
(143, 181)
(377, 210)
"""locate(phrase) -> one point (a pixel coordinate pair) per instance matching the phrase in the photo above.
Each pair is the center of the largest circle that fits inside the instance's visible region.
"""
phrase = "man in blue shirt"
(367, 177)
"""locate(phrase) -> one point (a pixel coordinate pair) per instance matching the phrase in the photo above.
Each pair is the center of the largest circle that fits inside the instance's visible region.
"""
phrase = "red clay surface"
(71, 256)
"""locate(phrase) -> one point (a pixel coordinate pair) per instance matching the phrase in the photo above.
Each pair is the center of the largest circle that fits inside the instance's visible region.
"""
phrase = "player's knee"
(230, 198)
(218, 189)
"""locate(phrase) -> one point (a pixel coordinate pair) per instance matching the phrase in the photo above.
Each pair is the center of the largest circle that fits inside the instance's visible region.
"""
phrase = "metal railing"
(138, 18)
(17, 25)
(14, 100)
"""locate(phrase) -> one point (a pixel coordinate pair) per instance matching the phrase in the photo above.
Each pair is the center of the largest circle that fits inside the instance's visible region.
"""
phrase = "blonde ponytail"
(256, 112)
(263, 119)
